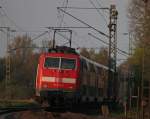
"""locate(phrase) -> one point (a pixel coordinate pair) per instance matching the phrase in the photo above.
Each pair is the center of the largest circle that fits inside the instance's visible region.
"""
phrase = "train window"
(51, 62)
(84, 65)
(81, 65)
(68, 63)
(88, 65)
(92, 68)
(96, 69)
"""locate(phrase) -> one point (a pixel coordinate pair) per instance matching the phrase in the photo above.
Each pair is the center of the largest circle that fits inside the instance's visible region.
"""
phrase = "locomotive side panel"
(38, 76)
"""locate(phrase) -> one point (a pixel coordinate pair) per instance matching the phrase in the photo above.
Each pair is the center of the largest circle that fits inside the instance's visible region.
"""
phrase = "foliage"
(46, 44)
(100, 57)
(16, 103)
(2, 69)
(23, 69)
(2, 89)
(139, 14)
(85, 52)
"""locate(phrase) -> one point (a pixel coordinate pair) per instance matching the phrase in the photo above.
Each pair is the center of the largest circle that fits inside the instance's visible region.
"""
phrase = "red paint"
(58, 74)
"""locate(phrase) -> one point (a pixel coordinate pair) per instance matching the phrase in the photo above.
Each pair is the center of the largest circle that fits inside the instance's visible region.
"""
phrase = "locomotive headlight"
(48, 79)
(69, 80)
(45, 86)
(71, 87)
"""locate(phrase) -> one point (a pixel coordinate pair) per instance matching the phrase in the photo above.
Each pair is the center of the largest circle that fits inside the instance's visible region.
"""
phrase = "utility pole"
(129, 34)
(130, 44)
(112, 54)
(7, 58)
(7, 62)
(145, 85)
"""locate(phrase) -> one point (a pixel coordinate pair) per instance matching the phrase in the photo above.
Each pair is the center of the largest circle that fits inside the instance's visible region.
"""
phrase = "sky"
(33, 16)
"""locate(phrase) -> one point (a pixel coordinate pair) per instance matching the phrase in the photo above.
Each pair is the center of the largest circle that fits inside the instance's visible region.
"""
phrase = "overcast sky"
(34, 15)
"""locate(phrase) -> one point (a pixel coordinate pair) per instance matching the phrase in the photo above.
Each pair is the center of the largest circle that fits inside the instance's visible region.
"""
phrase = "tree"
(23, 66)
(139, 14)
(46, 44)
(99, 57)
(85, 52)
(2, 69)
(102, 56)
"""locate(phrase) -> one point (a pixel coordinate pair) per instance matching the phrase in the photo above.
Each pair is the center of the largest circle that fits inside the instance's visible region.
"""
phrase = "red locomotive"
(65, 76)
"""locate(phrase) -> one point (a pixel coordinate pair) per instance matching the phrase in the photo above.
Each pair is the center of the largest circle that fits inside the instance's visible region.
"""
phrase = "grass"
(117, 114)
(16, 103)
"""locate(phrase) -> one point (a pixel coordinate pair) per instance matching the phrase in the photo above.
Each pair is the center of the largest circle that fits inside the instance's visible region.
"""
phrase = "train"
(66, 77)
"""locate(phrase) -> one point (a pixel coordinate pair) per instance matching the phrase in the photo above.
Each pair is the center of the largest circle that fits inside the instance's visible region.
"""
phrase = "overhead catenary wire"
(86, 8)
(67, 39)
(65, 1)
(99, 12)
(72, 27)
(84, 23)
(32, 39)
(68, 27)
(107, 43)
(98, 3)
(13, 22)
(119, 51)
(38, 36)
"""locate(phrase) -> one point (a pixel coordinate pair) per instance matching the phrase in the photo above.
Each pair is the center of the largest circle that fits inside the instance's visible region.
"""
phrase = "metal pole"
(138, 95)
(70, 37)
(143, 63)
(7, 62)
(130, 43)
(109, 52)
(112, 54)
(142, 108)
(130, 103)
(54, 38)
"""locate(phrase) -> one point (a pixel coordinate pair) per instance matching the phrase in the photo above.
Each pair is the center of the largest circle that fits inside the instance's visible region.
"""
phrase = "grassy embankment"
(17, 103)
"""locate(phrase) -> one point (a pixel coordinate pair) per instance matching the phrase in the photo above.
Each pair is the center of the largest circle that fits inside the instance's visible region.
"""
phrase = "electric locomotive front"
(57, 75)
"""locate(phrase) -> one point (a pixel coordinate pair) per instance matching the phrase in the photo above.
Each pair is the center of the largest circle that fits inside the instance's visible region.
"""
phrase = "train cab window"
(51, 62)
(68, 63)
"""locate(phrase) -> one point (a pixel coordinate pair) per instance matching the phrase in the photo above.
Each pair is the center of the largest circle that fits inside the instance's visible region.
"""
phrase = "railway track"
(84, 111)
(17, 109)
(7, 110)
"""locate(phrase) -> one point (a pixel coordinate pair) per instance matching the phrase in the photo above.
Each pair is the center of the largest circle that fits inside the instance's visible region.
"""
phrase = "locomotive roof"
(62, 49)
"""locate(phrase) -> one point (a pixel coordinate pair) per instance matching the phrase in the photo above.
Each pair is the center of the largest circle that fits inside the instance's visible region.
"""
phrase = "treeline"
(139, 29)
(139, 15)
(100, 56)
(23, 59)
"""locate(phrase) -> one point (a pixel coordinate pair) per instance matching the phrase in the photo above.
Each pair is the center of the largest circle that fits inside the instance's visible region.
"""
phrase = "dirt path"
(49, 115)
